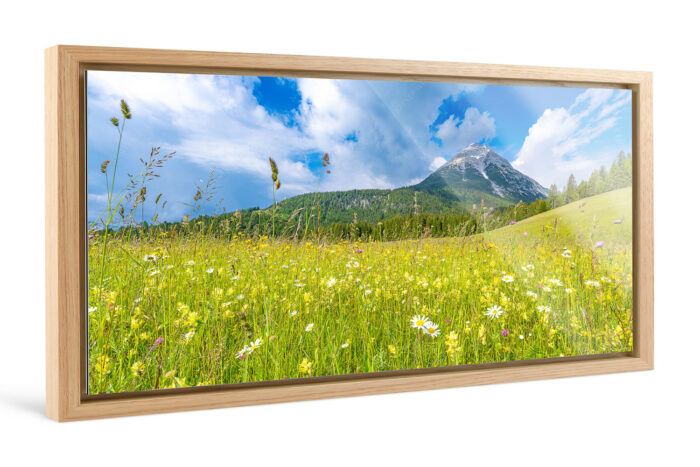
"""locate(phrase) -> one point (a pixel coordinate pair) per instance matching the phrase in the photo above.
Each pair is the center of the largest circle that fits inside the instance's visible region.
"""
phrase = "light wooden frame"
(65, 232)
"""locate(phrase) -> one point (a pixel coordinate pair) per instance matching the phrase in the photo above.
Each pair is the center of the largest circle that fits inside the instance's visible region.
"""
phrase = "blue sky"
(379, 134)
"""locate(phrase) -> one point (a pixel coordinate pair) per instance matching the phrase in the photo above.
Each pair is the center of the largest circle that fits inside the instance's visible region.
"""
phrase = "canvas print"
(248, 229)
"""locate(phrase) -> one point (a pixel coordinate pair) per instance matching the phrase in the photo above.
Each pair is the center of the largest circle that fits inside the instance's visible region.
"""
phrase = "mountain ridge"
(473, 174)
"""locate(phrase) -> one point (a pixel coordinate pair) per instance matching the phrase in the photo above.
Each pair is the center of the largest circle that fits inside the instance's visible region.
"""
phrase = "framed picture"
(231, 229)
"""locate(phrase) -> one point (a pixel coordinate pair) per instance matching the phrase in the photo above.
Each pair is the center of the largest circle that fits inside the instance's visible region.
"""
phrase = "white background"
(649, 417)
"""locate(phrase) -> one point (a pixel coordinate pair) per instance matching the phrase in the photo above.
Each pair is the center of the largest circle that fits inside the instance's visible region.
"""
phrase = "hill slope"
(589, 220)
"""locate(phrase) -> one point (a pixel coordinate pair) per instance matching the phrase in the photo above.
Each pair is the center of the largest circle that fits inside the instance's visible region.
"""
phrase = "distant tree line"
(619, 175)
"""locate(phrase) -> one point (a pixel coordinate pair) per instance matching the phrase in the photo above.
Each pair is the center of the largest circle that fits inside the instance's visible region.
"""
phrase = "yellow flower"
(392, 349)
(305, 366)
(137, 368)
(102, 365)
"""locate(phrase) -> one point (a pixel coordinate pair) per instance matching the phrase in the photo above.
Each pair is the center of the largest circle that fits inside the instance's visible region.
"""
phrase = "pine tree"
(571, 192)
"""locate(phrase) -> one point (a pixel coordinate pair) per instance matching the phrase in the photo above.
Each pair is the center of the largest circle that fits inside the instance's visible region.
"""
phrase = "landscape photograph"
(252, 228)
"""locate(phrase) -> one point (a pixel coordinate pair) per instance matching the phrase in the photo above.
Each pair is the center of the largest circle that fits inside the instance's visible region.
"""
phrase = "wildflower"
(345, 345)
(392, 349)
(505, 333)
(544, 309)
(210, 270)
(507, 278)
(618, 221)
(566, 254)
(592, 284)
(331, 282)
(431, 329)
(292, 313)
(521, 337)
(151, 257)
(254, 345)
(310, 327)
(358, 251)
(524, 234)
(513, 222)
(531, 294)
(102, 365)
(604, 279)
(157, 343)
(240, 297)
(243, 352)
(451, 343)
(92, 309)
(547, 289)
(555, 282)
(494, 312)
(599, 244)
(419, 322)
(567, 290)
(137, 368)
(305, 366)
(189, 335)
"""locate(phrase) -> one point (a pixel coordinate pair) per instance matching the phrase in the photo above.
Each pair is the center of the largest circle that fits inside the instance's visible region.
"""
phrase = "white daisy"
(507, 278)
(293, 313)
(431, 329)
(310, 327)
(331, 282)
(567, 290)
(531, 294)
(494, 312)
(345, 345)
(210, 270)
(566, 254)
(254, 345)
(189, 335)
(556, 282)
(150, 257)
(419, 321)
(544, 309)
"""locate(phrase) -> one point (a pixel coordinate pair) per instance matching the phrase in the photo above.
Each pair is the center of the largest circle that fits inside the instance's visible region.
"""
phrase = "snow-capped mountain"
(477, 172)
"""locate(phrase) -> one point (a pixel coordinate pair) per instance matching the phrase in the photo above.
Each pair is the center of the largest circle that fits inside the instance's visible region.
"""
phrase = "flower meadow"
(194, 308)
(190, 305)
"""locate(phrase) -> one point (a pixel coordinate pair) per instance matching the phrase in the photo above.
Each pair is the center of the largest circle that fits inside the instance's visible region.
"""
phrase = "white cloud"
(456, 134)
(437, 163)
(552, 149)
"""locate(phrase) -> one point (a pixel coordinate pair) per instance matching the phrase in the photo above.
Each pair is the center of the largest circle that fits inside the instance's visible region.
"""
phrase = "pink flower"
(618, 221)
(157, 343)
(359, 250)
(505, 333)
(513, 222)
(524, 234)
(599, 244)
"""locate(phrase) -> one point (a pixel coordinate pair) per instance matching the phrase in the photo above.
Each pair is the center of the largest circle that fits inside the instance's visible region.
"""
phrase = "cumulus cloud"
(553, 147)
(217, 122)
(455, 134)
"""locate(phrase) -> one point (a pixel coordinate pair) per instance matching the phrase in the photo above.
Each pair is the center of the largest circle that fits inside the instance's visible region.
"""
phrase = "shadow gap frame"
(65, 180)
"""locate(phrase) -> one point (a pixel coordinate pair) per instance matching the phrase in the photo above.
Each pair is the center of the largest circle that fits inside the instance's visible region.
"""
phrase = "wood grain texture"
(65, 223)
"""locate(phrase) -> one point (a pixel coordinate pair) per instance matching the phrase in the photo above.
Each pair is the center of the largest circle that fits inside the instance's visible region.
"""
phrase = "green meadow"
(191, 306)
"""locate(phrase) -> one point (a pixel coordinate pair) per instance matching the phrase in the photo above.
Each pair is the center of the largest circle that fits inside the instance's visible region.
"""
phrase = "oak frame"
(65, 234)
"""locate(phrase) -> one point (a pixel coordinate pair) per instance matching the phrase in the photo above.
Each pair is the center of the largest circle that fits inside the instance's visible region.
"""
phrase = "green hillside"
(589, 220)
